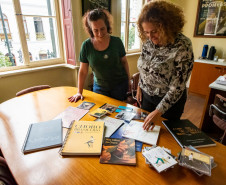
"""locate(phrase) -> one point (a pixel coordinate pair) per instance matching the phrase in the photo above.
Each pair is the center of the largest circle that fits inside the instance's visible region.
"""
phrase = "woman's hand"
(151, 119)
(76, 97)
(139, 95)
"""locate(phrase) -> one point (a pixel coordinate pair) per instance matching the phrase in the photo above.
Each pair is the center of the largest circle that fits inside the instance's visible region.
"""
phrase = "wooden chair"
(131, 95)
(218, 112)
(32, 89)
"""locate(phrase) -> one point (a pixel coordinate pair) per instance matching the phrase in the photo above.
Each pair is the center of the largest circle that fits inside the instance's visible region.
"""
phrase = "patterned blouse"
(164, 71)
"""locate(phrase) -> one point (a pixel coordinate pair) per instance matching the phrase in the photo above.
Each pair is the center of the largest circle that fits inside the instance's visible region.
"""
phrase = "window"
(130, 10)
(34, 37)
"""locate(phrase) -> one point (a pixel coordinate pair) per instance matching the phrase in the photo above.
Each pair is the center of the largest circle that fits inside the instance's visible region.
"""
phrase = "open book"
(134, 130)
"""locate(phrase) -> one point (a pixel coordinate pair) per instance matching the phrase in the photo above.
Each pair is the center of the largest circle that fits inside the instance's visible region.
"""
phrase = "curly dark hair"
(94, 15)
(167, 17)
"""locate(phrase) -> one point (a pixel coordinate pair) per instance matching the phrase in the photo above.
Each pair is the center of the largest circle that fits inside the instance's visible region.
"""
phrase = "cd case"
(196, 161)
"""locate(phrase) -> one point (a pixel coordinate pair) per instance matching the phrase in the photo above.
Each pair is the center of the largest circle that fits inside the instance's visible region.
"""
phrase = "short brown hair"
(94, 15)
(167, 17)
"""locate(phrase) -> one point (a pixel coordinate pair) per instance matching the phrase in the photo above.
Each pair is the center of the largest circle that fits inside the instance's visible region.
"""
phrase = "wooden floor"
(194, 108)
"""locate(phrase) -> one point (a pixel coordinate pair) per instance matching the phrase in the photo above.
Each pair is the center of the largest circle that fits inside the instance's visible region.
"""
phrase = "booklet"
(86, 105)
(120, 108)
(98, 113)
(126, 116)
(110, 108)
(111, 125)
(70, 114)
(159, 159)
(134, 130)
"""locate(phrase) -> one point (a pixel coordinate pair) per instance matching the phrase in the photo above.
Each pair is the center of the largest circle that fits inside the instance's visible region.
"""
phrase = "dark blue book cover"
(186, 133)
(118, 134)
(43, 135)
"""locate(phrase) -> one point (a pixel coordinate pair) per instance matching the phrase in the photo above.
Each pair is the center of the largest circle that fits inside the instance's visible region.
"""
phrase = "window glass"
(10, 46)
(129, 32)
(38, 7)
(43, 41)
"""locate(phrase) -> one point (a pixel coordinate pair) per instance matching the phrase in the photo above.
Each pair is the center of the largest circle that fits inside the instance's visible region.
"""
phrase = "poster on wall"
(211, 18)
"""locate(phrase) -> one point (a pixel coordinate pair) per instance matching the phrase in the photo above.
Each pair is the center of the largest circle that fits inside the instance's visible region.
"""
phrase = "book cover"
(110, 108)
(70, 114)
(111, 125)
(118, 151)
(186, 133)
(126, 116)
(140, 116)
(197, 161)
(98, 112)
(159, 159)
(134, 130)
(86, 105)
(83, 138)
(118, 134)
(43, 135)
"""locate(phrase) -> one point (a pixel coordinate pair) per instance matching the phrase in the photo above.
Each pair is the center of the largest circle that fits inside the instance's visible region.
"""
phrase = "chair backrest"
(134, 83)
(32, 89)
(218, 108)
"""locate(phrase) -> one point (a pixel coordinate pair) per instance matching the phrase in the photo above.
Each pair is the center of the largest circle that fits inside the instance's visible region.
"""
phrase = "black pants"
(150, 103)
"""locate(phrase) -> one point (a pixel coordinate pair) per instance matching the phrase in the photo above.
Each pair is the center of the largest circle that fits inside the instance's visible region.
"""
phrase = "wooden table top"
(48, 167)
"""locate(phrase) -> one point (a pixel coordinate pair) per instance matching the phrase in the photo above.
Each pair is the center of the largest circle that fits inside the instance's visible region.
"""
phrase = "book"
(134, 130)
(195, 161)
(70, 114)
(126, 116)
(159, 158)
(86, 105)
(120, 108)
(111, 125)
(118, 134)
(118, 151)
(98, 113)
(83, 138)
(43, 135)
(186, 133)
(110, 108)
(140, 116)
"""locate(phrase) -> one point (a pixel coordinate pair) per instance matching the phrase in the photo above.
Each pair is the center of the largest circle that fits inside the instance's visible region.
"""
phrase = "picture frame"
(211, 19)
(91, 4)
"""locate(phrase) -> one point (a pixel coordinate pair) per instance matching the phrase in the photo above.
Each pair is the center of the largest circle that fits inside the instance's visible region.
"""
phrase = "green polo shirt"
(106, 65)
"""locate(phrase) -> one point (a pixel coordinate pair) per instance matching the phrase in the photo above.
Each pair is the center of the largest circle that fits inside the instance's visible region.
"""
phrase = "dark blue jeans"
(149, 103)
(117, 92)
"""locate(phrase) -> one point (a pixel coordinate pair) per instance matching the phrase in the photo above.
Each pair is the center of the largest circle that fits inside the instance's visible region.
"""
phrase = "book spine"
(172, 134)
(26, 138)
(66, 137)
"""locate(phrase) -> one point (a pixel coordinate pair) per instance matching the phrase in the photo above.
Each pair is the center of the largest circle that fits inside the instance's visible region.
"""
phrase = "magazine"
(98, 113)
(110, 108)
(126, 116)
(86, 105)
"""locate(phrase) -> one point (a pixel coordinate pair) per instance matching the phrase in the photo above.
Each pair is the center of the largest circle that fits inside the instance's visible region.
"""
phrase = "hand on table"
(151, 119)
(76, 97)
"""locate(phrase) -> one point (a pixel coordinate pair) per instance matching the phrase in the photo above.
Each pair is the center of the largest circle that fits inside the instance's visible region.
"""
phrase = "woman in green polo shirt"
(106, 55)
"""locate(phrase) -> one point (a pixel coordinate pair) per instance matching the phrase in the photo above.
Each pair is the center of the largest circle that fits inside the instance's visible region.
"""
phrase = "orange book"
(83, 138)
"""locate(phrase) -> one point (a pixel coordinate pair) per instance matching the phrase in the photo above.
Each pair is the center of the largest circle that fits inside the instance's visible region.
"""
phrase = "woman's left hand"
(149, 122)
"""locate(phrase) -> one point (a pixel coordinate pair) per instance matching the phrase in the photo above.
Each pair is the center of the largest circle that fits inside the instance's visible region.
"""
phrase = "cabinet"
(203, 74)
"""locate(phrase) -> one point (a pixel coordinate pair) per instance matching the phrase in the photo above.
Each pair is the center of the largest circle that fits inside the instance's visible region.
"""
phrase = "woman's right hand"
(139, 95)
(76, 97)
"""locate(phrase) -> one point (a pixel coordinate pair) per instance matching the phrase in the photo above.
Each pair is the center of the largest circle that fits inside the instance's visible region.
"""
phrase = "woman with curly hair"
(106, 55)
(165, 63)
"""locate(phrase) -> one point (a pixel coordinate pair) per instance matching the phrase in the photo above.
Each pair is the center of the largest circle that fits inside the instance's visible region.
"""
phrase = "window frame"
(23, 39)
(127, 22)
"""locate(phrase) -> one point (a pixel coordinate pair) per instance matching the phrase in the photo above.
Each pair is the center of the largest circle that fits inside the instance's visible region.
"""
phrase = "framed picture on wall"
(92, 4)
(211, 19)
